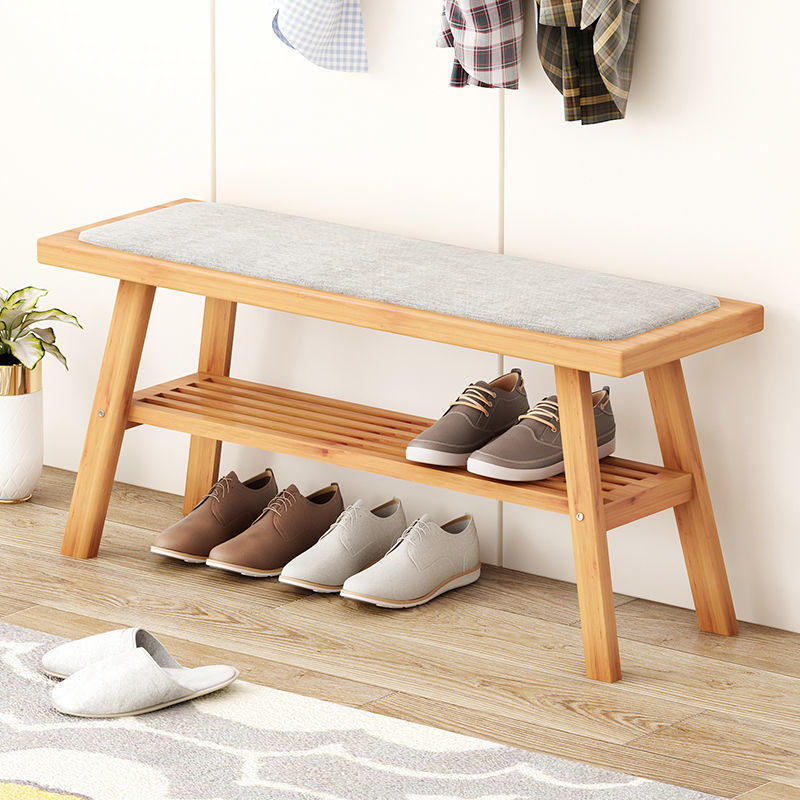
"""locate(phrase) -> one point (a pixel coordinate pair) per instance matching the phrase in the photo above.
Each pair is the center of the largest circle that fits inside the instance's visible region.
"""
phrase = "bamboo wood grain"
(733, 320)
(695, 519)
(587, 518)
(108, 419)
(363, 437)
(216, 347)
(297, 409)
(332, 406)
(323, 432)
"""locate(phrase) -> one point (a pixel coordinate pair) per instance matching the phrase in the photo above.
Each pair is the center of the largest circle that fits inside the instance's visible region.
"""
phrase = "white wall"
(105, 108)
(110, 110)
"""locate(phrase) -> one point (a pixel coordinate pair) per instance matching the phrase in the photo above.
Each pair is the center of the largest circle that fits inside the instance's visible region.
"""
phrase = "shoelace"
(282, 501)
(422, 526)
(218, 490)
(544, 411)
(349, 512)
(475, 397)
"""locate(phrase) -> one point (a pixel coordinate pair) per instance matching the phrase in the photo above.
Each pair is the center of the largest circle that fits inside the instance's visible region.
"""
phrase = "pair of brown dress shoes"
(250, 527)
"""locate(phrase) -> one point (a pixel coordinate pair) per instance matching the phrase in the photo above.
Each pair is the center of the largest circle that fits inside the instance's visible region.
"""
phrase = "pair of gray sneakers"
(491, 429)
(373, 556)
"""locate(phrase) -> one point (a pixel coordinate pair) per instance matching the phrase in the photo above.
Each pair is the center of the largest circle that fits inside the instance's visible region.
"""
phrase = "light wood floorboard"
(772, 791)
(10, 605)
(731, 742)
(191, 654)
(673, 628)
(716, 780)
(501, 659)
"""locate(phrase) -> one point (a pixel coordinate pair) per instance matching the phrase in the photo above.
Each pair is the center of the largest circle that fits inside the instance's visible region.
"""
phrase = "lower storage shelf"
(374, 440)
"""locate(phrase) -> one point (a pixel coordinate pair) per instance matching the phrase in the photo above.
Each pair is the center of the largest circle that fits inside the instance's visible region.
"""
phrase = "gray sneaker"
(481, 412)
(425, 562)
(357, 539)
(531, 450)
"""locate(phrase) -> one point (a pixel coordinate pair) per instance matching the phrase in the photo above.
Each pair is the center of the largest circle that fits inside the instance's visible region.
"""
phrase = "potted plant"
(23, 344)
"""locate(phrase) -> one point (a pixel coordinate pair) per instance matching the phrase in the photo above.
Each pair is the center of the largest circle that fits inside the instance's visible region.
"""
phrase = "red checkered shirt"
(486, 36)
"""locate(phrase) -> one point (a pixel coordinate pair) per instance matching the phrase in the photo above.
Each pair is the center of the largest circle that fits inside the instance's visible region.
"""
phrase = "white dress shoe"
(357, 539)
(68, 658)
(426, 562)
(132, 683)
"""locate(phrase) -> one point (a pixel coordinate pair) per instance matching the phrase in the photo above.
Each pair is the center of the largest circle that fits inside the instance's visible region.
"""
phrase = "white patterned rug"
(250, 742)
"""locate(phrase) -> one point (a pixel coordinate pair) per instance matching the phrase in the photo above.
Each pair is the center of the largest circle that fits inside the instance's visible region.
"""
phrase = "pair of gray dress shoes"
(374, 557)
(492, 430)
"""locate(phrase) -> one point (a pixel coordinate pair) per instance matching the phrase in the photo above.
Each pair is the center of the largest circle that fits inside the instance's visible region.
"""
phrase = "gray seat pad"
(408, 272)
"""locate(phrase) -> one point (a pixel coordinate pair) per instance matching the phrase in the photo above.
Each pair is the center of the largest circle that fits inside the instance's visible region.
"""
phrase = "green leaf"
(11, 318)
(49, 347)
(26, 298)
(45, 335)
(28, 350)
(51, 315)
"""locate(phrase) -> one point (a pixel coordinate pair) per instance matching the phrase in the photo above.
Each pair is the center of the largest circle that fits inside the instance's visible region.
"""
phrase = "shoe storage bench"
(213, 407)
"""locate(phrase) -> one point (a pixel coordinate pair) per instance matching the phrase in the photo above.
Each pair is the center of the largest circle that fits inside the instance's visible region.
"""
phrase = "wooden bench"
(214, 407)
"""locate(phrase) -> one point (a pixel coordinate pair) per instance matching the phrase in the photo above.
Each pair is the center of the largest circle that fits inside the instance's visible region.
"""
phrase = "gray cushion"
(408, 272)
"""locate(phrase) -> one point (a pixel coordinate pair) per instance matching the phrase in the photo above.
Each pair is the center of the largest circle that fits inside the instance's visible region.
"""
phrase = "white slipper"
(68, 658)
(132, 683)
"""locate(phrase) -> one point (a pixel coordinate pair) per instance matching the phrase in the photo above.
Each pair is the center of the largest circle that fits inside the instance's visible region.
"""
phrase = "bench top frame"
(734, 319)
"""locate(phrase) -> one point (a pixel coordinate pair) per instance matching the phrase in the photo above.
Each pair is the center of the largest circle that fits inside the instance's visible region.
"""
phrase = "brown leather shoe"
(289, 525)
(229, 508)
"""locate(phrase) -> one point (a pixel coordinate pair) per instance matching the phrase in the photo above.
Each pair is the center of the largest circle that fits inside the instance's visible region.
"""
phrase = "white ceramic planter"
(21, 440)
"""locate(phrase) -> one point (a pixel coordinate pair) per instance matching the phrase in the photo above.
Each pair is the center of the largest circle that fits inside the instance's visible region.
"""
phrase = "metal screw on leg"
(579, 517)
(101, 413)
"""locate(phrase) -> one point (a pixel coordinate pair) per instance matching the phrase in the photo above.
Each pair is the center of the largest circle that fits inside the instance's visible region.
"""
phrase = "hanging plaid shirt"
(586, 49)
(329, 33)
(486, 36)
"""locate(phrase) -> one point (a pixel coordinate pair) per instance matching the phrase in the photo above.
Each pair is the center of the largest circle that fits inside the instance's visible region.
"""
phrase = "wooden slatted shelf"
(373, 439)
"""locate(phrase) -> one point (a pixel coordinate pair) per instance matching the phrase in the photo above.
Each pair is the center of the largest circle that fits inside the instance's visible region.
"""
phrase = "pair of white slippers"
(123, 673)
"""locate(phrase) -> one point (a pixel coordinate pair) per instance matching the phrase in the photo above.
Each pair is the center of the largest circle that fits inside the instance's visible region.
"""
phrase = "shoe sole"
(315, 587)
(187, 557)
(455, 582)
(52, 674)
(246, 571)
(436, 458)
(152, 708)
(498, 473)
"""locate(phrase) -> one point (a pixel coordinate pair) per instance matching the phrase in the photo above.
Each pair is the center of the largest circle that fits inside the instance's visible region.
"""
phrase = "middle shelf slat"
(374, 440)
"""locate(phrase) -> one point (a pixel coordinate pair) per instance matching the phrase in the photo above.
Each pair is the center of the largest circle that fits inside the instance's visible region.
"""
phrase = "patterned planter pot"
(21, 440)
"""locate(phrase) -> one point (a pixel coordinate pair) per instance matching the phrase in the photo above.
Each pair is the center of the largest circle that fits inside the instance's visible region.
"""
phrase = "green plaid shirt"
(586, 49)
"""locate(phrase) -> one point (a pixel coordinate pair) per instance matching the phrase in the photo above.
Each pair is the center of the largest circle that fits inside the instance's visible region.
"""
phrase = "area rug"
(251, 742)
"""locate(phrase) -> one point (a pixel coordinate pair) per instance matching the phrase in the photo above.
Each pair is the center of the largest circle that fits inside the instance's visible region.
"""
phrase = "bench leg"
(109, 416)
(216, 346)
(587, 516)
(696, 526)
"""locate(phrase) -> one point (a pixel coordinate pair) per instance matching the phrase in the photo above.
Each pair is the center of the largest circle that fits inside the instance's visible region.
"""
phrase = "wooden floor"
(500, 659)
